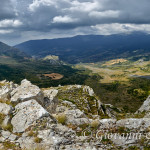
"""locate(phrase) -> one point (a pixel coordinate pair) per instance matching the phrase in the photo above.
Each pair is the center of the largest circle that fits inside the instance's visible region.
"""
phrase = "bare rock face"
(26, 91)
(51, 93)
(88, 90)
(76, 117)
(5, 89)
(50, 100)
(107, 123)
(133, 123)
(145, 106)
(5, 109)
(6, 135)
(26, 113)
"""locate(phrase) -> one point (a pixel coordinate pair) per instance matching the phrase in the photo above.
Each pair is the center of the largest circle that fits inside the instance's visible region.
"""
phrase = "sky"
(22, 20)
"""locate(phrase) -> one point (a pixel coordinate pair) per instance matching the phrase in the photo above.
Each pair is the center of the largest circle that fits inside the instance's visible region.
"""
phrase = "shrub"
(61, 118)
(31, 133)
(9, 145)
(37, 140)
(5, 101)
(2, 117)
(94, 124)
(8, 127)
(121, 129)
(133, 148)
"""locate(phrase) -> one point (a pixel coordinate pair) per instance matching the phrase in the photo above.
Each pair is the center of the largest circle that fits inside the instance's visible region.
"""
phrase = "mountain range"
(90, 48)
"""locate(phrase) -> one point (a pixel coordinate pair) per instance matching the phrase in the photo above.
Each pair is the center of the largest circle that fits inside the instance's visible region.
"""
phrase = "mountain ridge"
(8, 51)
(90, 48)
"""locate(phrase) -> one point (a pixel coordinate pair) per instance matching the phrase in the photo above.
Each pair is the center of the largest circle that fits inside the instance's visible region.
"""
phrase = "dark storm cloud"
(71, 14)
(60, 17)
(6, 9)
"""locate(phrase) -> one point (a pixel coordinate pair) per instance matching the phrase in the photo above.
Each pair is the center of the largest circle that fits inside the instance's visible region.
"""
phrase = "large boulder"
(26, 113)
(50, 100)
(5, 109)
(5, 89)
(107, 123)
(76, 117)
(50, 93)
(27, 91)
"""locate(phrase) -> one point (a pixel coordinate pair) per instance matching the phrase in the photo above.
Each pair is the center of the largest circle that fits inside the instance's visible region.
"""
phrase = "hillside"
(16, 65)
(123, 83)
(91, 48)
(8, 54)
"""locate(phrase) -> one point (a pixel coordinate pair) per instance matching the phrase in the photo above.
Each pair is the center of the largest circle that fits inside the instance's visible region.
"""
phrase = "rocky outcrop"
(58, 118)
(5, 89)
(50, 100)
(88, 90)
(107, 123)
(5, 109)
(145, 106)
(26, 91)
(76, 117)
(133, 123)
(6, 135)
(50, 93)
(25, 114)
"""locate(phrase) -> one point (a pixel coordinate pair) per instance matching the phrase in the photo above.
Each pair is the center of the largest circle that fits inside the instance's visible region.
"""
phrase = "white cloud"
(5, 31)
(38, 3)
(104, 14)
(72, 17)
(85, 6)
(115, 28)
(10, 23)
(64, 19)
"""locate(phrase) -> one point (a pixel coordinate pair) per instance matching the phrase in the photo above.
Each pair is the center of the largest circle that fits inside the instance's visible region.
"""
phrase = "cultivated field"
(54, 76)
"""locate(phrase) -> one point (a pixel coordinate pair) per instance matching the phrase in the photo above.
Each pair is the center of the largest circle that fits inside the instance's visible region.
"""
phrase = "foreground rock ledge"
(26, 113)
(26, 91)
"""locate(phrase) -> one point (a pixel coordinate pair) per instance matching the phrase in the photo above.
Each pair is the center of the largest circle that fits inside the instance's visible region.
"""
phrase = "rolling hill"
(10, 55)
(15, 65)
(90, 48)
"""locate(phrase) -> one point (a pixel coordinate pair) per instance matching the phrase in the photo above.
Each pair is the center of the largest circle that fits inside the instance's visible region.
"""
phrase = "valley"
(122, 81)
(16, 66)
(124, 84)
(120, 71)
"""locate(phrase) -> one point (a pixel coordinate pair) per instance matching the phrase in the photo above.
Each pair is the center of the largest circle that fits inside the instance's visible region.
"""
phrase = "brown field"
(54, 76)
(4, 57)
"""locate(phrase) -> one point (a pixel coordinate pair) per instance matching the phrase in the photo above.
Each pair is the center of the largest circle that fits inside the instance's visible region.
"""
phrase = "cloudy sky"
(22, 20)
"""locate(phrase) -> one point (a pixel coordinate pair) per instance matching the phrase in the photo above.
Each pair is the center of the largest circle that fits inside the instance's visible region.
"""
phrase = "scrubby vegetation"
(33, 70)
(127, 96)
(61, 118)
(116, 84)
